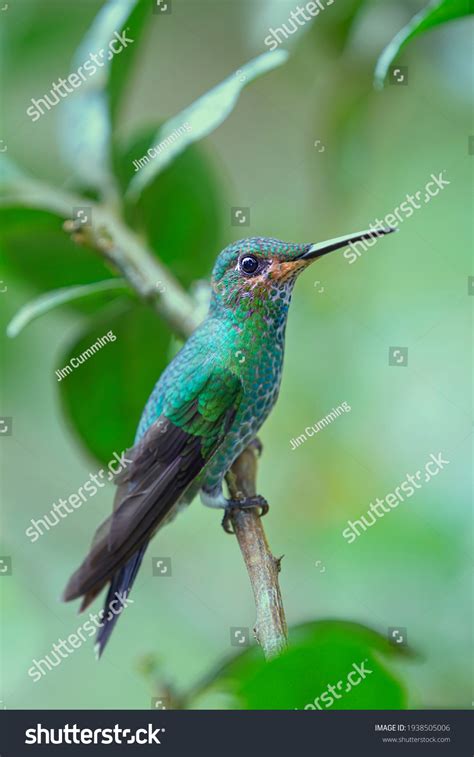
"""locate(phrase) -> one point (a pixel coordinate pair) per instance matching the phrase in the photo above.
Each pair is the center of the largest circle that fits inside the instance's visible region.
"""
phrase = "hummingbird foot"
(257, 445)
(249, 503)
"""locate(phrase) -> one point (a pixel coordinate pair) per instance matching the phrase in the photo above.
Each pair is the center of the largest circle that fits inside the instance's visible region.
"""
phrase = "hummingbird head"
(252, 273)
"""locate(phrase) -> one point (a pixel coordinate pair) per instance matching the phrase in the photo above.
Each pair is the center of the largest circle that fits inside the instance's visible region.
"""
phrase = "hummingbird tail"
(161, 467)
(120, 586)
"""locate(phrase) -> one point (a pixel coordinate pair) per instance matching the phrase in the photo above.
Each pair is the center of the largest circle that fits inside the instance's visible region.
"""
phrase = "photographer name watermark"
(153, 152)
(310, 431)
(75, 362)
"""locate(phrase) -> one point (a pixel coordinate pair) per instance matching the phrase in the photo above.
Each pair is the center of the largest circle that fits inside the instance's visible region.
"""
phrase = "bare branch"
(263, 568)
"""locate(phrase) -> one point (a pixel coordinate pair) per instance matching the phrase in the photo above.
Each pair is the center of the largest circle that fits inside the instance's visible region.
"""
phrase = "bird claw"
(257, 445)
(249, 503)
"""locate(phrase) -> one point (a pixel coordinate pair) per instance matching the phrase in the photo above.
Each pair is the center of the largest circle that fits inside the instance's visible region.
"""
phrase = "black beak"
(322, 248)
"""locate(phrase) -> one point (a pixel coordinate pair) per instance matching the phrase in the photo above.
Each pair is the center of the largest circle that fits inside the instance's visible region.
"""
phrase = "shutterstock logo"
(64, 87)
(298, 17)
(356, 675)
(390, 501)
(72, 734)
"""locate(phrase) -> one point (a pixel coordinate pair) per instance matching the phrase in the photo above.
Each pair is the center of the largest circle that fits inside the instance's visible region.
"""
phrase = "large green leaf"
(437, 12)
(85, 126)
(320, 654)
(179, 212)
(104, 396)
(201, 118)
(35, 249)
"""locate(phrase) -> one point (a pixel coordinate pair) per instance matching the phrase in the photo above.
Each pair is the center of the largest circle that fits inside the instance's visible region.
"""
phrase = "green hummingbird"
(207, 406)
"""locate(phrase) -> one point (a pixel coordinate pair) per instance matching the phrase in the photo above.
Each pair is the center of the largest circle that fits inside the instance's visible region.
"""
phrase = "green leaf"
(85, 128)
(18, 188)
(33, 243)
(201, 118)
(50, 300)
(104, 396)
(179, 212)
(137, 23)
(437, 12)
(9, 171)
(320, 654)
(36, 250)
(336, 27)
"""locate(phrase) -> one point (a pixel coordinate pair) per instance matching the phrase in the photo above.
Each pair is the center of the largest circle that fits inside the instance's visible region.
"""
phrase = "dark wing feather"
(162, 465)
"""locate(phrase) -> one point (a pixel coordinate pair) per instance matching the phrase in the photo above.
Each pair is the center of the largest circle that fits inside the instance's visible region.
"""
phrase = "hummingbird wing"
(161, 467)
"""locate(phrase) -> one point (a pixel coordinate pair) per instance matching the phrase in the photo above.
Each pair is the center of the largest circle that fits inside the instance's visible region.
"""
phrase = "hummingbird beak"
(322, 248)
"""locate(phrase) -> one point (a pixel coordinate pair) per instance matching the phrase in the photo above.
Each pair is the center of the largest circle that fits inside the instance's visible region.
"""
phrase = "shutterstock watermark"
(60, 650)
(309, 431)
(400, 214)
(153, 152)
(298, 17)
(73, 734)
(403, 491)
(61, 89)
(75, 362)
(357, 674)
(60, 509)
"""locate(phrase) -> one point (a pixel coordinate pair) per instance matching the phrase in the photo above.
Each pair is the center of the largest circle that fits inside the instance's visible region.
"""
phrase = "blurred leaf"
(347, 124)
(18, 188)
(84, 140)
(336, 27)
(51, 300)
(35, 249)
(85, 128)
(9, 171)
(437, 12)
(104, 397)
(121, 65)
(320, 654)
(179, 212)
(201, 117)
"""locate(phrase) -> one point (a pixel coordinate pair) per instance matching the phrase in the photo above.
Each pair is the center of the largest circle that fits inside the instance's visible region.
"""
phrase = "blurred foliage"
(46, 302)
(86, 126)
(320, 654)
(177, 212)
(36, 249)
(203, 116)
(112, 385)
(337, 27)
(437, 12)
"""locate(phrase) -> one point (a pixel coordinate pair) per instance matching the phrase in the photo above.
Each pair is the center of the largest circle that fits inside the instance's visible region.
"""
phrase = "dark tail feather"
(121, 583)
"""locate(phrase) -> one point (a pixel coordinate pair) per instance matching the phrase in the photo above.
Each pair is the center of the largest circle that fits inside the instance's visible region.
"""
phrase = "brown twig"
(143, 271)
(263, 568)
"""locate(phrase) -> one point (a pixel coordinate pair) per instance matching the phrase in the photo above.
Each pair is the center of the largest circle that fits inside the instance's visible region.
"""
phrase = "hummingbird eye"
(248, 264)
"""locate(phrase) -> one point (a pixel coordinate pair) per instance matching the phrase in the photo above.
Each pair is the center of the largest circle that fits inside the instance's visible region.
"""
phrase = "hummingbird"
(205, 409)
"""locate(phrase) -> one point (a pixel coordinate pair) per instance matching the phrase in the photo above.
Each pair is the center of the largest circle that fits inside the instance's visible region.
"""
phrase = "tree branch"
(152, 281)
(270, 627)
(126, 252)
